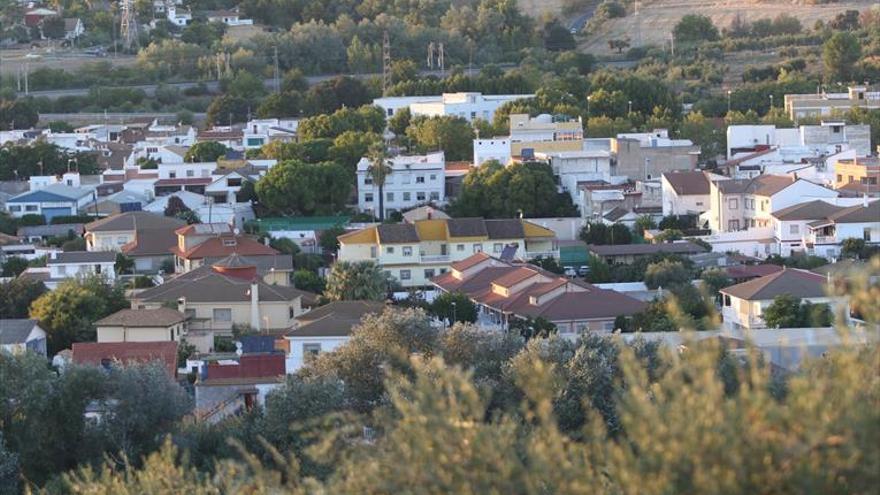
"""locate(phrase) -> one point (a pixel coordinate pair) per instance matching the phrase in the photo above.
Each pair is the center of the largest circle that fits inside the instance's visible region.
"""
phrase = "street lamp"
(589, 97)
(629, 107)
(454, 316)
(728, 100)
(771, 102)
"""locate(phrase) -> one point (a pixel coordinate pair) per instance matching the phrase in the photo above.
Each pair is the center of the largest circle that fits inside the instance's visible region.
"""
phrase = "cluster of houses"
(779, 192)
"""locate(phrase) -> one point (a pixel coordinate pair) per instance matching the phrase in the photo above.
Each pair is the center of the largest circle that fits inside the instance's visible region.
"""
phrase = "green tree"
(9, 470)
(643, 223)
(548, 263)
(454, 307)
(532, 328)
(296, 187)
(69, 312)
(17, 295)
(379, 171)
(840, 53)
(715, 279)
(399, 122)
(666, 273)
(206, 151)
(52, 27)
(227, 110)
(350, 146)
(694, 28)
(329, 239)
(783, 312)
(17, 114)
(308, 280)
(363, 280)
(452, 135)
(557, 37)
(13, 266)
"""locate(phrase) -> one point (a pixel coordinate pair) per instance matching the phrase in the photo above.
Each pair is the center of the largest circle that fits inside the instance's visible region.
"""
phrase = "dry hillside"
(658, 17)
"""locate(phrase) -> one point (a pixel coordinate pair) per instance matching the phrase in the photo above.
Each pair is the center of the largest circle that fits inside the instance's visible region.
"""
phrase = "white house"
(51, 201)
(495, 148)
(414, 180)
(229, 17)
(468, 106)
(737, 204)
(324, 329)
(69, 264)
(575, 167)
(178, 17)
(824, 236)
(22, 335)
(744, 304)
(686, 192)
(828, 137)
(258, 132)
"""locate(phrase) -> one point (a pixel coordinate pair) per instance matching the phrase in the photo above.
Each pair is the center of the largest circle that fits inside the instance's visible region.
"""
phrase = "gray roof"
(688, 182)
(790, 281)
(54, 230)
(763, 185)
(82, 257)
(397, 233)
(858, 214)
(15, 331)
(812, 210)
(206, 285)
(615, 214)
(505, 229)
(335, 319)
(159, 317)
(466, 227)
(135, 220)
(282, 262)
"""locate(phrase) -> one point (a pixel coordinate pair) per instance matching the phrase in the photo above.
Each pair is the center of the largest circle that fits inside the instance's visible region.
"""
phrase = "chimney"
(430, 213)
(865, 200)
(181, 305)
(255, 304)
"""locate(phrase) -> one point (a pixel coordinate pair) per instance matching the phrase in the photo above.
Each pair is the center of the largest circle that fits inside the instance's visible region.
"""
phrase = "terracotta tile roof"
(135, 220)
(790, 281)
(470, 261)
(159, 317)
(335, 319)
(763, 185)
(221, 247)
(578, 301)
(688, 183)
(213, 135)
(93, 353)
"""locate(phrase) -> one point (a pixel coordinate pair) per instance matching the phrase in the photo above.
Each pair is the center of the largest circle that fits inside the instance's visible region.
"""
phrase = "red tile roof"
(254, 366)
(93, 353)
(216, 248)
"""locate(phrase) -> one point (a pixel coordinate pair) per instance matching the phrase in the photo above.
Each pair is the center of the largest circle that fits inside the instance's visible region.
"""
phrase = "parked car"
(583, 270)
(570, 272)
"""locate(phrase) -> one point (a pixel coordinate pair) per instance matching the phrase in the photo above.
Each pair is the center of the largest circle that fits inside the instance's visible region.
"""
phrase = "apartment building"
(413, 181)
(823, 104)
(528, 136)
(416, 252)
(646, 156)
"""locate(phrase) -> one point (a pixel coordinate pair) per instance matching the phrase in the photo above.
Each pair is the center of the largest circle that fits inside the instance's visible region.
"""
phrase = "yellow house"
(142, 325)
(413, 253)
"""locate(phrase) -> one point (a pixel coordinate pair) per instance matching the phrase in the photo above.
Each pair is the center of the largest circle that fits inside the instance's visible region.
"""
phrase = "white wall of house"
(186, 170)
(414, 180)
(496, 148)
(301, 349)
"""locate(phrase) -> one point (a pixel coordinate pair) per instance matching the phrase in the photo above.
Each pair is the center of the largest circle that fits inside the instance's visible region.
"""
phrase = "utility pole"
(431, 55)
(277, 83)
(27, 68)
(386, 62)
(672, 43)
(442, 61)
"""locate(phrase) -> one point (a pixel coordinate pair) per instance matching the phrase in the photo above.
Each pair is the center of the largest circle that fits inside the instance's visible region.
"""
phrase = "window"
(368, 181)
(850, 179)
(733, 225)
(389, 250)
(407, 250)
(233, 182)
(433, 176)
(121, 240)
(420, 196)
(429, 273)
(435, 196)
(372, 251)
(794, 229)
(368, 198)
(222, 314)
(14, 208)
(190, 173)
(733, 203)
(866, 234)
(407, 196)
(97, 268)
(839, 178)
(31, 208)
(389, 196)
(310, 351)
(478, 248)
(172, 175)
(497, 247)
(420, 179)
(390, 112)
(405, 274)
(229, 242)
(836, 128)
(459, 247)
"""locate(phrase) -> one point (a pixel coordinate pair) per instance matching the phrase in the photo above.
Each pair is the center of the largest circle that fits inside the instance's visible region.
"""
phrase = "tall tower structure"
(386, 63)
(128, 26)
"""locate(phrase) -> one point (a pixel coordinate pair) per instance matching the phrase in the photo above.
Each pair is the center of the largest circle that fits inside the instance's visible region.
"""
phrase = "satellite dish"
(236, 231)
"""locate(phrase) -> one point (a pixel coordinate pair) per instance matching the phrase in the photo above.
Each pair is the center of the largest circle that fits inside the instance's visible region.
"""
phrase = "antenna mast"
(386, 63)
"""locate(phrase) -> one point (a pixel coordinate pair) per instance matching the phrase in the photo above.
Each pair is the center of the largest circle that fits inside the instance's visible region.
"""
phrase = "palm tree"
(379, 171)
